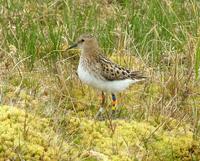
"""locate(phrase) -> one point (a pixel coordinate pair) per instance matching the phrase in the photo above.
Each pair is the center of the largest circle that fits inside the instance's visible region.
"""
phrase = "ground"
(47, 113)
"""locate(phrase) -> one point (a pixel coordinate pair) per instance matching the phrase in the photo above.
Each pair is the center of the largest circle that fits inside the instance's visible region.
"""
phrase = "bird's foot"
(115, 112)
(100, 114)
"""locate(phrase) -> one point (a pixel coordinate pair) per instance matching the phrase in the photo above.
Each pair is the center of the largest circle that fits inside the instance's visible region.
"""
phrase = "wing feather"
(111, 71)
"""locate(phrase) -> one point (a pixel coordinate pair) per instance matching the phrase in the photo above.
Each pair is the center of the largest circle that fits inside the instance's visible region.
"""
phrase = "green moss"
(133, 140)
(26, 136)
(32, 138)
(173, 146)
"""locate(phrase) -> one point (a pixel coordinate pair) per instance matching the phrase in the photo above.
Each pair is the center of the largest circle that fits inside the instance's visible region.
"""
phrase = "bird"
(97, 71)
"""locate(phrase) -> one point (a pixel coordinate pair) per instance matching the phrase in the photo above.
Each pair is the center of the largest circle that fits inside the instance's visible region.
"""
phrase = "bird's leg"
(114, 102)
(114, 111)
(102, 99)
(101, 109)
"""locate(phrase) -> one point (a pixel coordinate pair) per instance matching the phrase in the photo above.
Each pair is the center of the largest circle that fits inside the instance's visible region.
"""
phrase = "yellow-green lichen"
(33, 138)
(24, 136)
(133, 140)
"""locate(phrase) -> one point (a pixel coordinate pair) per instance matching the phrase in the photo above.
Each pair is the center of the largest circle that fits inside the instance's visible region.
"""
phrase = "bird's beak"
(73, 46)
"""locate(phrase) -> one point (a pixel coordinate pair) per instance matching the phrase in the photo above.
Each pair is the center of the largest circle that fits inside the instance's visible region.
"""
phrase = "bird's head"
(85, 42)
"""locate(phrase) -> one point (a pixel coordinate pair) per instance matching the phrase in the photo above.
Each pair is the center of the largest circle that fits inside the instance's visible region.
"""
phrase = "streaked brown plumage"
(112, 71)
(105, 68)
(98, 71)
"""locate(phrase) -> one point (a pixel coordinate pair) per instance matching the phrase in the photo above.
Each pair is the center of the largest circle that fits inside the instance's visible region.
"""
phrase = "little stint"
(99, 72)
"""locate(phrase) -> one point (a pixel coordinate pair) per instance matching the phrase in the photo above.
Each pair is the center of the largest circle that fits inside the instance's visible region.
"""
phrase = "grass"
(160, 38)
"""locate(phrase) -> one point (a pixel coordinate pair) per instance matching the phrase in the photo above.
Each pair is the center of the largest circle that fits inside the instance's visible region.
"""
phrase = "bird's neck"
(90, 53)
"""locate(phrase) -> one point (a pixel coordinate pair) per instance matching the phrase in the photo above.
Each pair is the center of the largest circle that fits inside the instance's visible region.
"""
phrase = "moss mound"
(131, 140)
(26, 137)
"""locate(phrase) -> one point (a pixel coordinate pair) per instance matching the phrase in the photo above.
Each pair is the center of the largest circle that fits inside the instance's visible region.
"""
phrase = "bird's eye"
(82, 40)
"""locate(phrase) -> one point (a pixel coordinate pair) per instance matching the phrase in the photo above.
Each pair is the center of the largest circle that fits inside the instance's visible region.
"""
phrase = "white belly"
(104, 85)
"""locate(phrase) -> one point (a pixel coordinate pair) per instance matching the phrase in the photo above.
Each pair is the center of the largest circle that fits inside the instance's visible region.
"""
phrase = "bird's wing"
(111, 71)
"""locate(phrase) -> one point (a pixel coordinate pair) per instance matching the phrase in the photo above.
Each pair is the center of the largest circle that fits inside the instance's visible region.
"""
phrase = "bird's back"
(112, 71)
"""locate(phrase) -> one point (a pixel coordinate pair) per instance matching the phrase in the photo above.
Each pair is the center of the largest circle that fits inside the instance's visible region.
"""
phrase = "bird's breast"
(85, 73)
(89, 77)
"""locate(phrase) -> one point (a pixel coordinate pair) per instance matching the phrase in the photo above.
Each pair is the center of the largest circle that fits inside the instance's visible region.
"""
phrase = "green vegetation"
(24, 136)
(53, 113)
